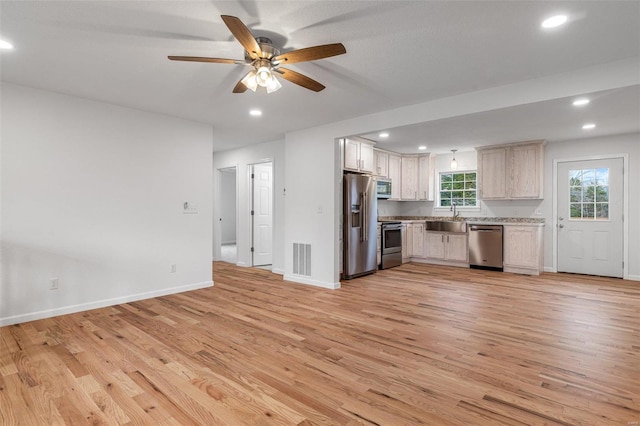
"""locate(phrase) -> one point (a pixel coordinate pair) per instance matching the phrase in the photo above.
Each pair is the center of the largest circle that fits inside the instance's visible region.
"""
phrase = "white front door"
(262, 213)
(590, 208)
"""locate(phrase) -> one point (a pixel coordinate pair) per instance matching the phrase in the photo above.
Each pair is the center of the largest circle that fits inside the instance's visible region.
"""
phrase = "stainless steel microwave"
(383, 188)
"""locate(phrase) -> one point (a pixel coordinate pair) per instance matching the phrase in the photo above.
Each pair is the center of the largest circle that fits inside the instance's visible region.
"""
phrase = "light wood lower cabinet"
(413, 241)
(523, 252)
(447, 246)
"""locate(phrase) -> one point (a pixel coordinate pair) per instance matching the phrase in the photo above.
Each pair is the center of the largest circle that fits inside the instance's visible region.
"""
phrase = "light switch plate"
(189, 208)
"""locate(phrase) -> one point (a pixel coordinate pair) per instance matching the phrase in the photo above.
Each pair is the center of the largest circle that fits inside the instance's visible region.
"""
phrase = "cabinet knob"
(561, 226)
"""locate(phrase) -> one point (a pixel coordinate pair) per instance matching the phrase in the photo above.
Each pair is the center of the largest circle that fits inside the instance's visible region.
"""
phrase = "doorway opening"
(228, 215)
(590, 205)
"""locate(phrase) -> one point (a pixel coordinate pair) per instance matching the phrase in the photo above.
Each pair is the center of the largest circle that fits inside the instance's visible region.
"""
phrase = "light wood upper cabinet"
(409, 178)
(526, 171)
(395, 172)
(425, 184)
(358, 156)
(512, 171)
(492, 173)
(415, 180)
(381, 163)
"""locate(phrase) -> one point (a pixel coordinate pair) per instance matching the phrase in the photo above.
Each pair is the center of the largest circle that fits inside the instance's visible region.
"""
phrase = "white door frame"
(250, 201)
(217, 213)
(625, 206)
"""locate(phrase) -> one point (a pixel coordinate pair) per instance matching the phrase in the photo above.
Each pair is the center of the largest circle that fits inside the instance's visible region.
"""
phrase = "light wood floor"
(416, 344)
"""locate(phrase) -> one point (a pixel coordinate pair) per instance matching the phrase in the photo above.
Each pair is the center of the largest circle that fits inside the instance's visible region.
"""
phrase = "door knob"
(561, 226)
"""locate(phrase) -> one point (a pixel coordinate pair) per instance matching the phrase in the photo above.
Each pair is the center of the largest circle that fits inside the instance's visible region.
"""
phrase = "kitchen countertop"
(480, 219)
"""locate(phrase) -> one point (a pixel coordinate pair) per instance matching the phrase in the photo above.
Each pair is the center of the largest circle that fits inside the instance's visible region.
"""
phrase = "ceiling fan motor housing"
(268, 50)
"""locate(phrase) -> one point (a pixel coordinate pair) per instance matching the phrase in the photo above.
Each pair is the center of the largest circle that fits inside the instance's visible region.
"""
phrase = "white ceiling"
(398, 53)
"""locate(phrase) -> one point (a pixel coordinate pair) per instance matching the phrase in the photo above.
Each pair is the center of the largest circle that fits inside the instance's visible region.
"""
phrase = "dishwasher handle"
(485, 228)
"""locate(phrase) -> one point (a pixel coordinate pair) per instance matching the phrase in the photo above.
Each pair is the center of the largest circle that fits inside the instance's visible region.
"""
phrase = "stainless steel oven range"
(391, 244)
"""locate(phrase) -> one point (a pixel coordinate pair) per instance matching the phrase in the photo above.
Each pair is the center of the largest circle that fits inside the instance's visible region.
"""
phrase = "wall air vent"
(302, 259)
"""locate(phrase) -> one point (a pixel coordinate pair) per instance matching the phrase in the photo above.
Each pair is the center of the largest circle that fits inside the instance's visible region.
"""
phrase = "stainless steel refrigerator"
(360, 208)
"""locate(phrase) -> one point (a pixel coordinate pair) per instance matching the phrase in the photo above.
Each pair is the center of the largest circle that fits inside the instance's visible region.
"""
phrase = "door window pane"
(589, 194)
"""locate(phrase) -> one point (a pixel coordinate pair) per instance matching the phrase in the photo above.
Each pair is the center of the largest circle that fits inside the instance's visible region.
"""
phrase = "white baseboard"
(304, 280)
(278, 271)
(549, 269)
(243, 264)
(71, 309)
(633, 277)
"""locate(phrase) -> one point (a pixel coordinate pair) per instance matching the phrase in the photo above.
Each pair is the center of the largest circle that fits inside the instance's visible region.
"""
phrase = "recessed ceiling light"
(384, 135)
(554, 21)
(589, 126)
(580, 102)
(255, 112)
(5, 45)
(422, 147)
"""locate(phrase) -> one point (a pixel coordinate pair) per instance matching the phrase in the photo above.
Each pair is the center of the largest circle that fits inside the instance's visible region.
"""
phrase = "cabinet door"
(394, 175)
(417, 246)
(424, 178)
(456, 247)
(366, 158)
(492, 172)
(405, 252)
(409, 178)
(381, 160)
(521, 246)
(409, 243)
(526, 171)
(435, 245)
(351, 155)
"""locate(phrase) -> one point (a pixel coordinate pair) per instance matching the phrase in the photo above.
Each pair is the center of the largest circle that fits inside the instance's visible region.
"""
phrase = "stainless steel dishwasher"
(485, 246)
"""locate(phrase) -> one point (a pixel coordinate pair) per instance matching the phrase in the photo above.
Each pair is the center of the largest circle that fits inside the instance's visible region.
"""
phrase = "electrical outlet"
(53, 283)
(174, 267)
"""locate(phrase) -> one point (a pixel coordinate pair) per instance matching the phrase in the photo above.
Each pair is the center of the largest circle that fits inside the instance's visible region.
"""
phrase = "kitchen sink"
(446, 225)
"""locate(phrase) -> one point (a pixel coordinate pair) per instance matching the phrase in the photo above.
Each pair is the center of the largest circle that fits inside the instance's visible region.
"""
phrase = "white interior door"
(262, 214)
(590, 209)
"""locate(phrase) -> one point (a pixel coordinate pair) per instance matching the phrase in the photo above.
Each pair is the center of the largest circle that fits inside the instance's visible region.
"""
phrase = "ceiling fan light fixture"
(454, 163)
(273, 85)
(264, 76)
(250, 80)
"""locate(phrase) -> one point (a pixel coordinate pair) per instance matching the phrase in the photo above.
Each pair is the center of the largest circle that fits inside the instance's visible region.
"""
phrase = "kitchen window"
(457, 188)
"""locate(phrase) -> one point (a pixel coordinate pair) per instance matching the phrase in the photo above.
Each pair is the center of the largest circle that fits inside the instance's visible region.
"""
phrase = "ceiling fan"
(266, 60)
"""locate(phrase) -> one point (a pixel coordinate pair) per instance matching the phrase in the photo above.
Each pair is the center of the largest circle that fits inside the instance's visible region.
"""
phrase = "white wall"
(228, 206)
(242, 158)
(92, 195)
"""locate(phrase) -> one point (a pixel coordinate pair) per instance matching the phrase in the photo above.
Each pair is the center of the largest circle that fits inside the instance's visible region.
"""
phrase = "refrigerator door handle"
(364, 216)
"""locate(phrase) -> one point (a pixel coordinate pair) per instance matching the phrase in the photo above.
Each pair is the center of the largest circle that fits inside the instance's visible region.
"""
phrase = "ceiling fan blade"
(300, 79)
(240, 87)
(201, 59)
(243, 35)
(310, 53)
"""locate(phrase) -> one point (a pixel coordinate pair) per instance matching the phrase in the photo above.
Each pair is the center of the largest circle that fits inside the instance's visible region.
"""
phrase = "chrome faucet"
(455, 212)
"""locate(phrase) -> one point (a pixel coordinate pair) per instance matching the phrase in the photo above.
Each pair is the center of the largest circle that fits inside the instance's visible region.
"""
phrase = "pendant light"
(454, 163)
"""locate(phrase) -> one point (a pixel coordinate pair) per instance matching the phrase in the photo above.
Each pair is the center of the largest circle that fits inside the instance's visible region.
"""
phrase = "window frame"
(438, 180)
